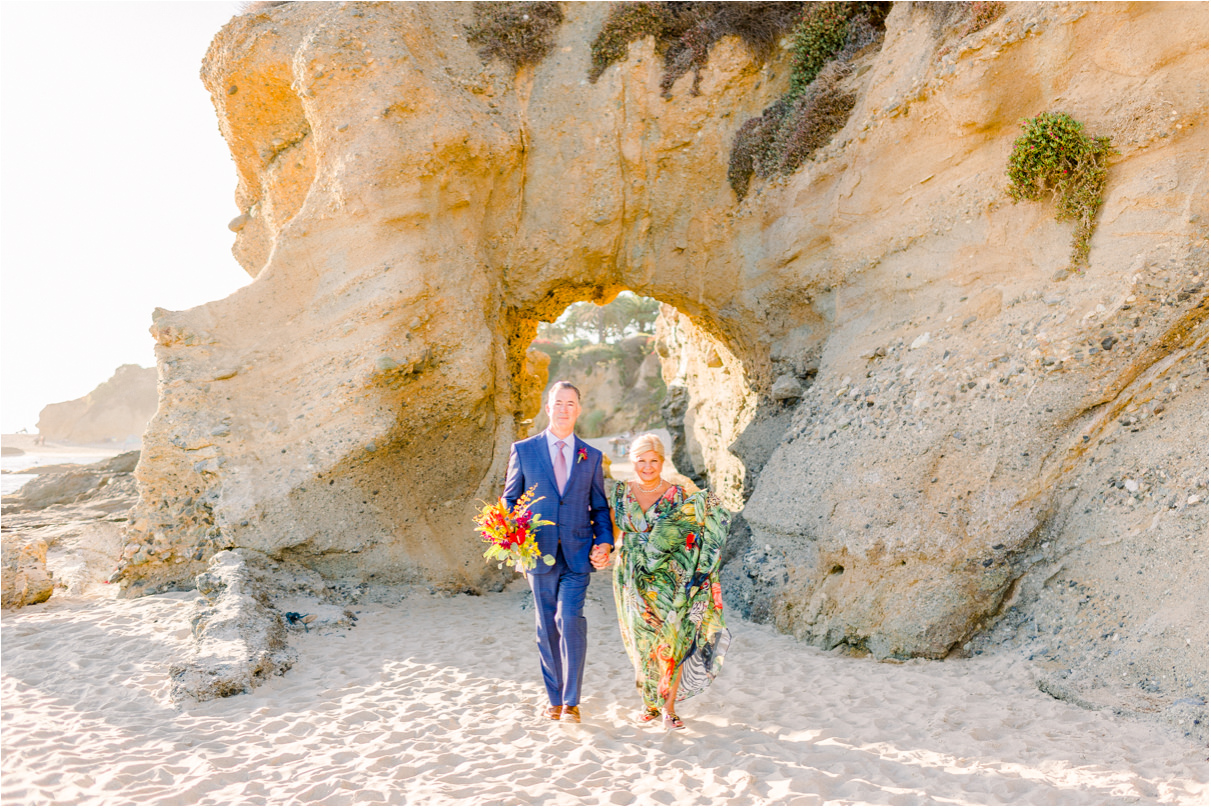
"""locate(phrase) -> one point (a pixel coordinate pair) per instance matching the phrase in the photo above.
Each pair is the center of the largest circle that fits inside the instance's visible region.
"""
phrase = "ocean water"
(10, 483)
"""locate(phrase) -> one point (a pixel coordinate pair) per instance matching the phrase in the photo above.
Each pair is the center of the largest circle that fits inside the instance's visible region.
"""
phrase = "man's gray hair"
(562, 385)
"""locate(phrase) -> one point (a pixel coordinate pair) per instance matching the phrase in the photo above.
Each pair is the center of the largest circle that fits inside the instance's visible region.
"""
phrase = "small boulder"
(25, 577)
(786, 388)
(240, 638)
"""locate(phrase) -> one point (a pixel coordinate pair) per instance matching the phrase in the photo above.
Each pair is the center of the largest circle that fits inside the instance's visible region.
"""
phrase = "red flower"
(689, 540)
(582, 454)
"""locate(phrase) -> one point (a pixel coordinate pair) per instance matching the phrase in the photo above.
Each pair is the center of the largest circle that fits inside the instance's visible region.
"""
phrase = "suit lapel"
(544, 457)
(577, 445)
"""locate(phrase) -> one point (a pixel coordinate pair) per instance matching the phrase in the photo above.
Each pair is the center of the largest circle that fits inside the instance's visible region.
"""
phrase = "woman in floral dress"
(666, 583)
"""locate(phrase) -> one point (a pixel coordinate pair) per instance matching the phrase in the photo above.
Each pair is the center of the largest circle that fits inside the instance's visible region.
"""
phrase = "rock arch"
(352, 404)
(408, 215)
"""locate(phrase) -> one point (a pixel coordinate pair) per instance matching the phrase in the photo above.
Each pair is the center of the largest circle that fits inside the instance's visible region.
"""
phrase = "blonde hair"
(646, 443)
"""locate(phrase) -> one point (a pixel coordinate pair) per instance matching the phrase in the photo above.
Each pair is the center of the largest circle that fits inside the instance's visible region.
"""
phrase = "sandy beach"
(434, 699)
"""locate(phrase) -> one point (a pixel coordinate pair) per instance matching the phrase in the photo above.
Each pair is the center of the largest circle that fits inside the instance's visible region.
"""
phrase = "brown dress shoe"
(553, 712)
(571, 715)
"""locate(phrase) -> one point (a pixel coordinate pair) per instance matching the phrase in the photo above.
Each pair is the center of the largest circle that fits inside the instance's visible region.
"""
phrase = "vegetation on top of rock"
(1055, 157)
(685, 32)
(520, 34)
(816, 40)
(960, 19)
(626, 23)
(816, 107)
(787, 133)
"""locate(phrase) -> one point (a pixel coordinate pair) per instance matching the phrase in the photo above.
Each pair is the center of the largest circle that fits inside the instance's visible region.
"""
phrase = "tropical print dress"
(666, 589)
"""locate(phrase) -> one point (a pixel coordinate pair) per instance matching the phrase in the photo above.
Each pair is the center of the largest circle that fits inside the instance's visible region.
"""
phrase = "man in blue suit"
(569, 478)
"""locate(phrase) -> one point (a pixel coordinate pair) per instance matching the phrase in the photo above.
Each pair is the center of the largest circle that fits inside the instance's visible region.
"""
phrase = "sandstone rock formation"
(118, 410)
(533, 380)
(25, 579)
(880, 357)
(240, 638)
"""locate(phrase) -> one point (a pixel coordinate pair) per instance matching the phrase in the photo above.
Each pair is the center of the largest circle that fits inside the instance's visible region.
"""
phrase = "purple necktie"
(561, 466)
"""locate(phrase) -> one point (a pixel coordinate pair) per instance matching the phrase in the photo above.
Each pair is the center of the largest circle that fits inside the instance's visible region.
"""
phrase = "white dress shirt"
(569, 442)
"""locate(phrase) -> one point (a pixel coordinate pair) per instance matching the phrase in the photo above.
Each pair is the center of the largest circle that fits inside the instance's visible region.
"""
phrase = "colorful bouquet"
(510, 534)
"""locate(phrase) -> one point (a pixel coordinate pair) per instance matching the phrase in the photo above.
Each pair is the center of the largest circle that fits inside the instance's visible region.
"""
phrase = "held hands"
(599, 557)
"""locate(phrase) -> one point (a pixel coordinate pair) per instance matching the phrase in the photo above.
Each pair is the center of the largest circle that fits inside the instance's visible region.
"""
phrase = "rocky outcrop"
(533, 380)
(26, 579)
(62, 484)
(79, 513)
(117, 410)
(880, 356)
(239, 638)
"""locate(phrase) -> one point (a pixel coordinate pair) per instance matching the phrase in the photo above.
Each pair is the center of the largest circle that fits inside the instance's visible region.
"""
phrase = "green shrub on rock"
(816, 106)
(816, 40)
(1054, 157)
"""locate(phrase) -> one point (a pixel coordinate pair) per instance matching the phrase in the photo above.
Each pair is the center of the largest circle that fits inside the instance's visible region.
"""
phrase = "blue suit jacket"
(581, 515)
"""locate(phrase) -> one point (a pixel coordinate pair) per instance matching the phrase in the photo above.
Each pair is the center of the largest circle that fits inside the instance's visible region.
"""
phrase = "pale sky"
(115, 189)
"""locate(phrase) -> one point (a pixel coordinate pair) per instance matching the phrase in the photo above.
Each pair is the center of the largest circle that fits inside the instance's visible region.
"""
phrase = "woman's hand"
(600, 556)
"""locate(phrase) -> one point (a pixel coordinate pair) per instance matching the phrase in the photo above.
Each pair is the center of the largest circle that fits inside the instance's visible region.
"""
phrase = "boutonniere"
(582, 454)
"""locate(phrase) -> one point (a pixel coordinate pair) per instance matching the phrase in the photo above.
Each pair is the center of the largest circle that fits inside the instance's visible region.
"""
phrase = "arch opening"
(642, 364)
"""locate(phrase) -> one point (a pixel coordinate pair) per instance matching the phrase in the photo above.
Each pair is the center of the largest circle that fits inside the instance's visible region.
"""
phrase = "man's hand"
(600, 556)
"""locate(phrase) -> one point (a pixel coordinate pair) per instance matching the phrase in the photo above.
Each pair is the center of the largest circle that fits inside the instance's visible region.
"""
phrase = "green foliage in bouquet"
(510, 533)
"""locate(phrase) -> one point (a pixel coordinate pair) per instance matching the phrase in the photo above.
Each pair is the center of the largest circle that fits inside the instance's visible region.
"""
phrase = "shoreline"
(26, 444)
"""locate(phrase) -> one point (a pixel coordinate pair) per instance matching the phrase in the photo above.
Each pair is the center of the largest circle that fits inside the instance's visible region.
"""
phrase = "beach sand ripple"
(435, 700)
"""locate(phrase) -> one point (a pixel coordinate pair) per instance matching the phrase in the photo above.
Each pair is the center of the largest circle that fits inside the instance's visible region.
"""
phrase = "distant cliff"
(118, 410)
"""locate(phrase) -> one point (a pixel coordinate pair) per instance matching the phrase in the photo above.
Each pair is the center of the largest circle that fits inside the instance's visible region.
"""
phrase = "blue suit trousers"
(562, 629)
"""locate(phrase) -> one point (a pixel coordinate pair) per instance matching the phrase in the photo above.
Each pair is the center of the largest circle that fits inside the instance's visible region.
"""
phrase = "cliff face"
(881, 353)
(118, 409)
